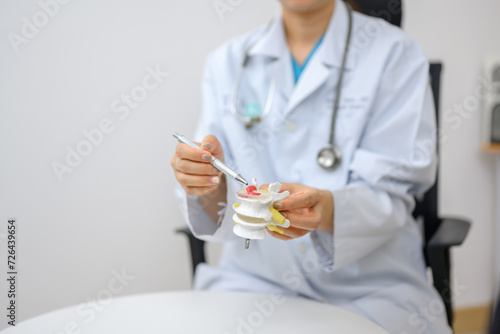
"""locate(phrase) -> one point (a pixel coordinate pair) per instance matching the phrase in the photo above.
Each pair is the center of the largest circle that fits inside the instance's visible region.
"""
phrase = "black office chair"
(440, 234)
(389, 10)
(495, 319)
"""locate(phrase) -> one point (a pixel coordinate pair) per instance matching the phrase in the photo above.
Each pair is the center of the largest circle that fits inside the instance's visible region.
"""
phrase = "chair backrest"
(495, 318)
(427, 207)
(389, 10)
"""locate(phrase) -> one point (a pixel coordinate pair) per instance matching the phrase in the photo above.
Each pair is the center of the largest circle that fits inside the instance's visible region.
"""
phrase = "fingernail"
(206, 157)
(277, 205)
(208, 146)
(283, 214)
(215, 171)
(215, 179)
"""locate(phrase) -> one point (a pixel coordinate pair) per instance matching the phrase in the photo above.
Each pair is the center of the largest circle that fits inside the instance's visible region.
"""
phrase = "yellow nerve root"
(277, 216)
(275, 229)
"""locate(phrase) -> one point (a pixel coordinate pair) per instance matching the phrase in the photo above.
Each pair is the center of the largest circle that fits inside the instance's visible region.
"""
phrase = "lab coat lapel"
(281, 71)
(314, 75)
(272, 44)
(327, 58)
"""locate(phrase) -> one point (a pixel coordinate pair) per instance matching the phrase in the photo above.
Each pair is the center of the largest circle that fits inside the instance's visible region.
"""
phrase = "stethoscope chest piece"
(329, 157)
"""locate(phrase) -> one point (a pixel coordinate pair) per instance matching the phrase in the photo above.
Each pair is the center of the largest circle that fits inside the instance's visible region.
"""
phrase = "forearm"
(209, 201)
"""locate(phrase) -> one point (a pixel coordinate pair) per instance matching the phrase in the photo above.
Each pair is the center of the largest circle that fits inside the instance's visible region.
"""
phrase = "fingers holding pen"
(212, 144)
(196, 168)
(192, 165)
(187, 152)
(197, 185)
(200, 191)
(194, 171)
(189, 180)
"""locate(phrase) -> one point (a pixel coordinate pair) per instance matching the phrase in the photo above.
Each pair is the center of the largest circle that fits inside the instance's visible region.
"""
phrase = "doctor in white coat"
(352, 241)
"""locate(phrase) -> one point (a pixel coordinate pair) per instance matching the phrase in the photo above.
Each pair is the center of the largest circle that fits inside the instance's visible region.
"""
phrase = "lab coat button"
(302, 247)
(290, 126)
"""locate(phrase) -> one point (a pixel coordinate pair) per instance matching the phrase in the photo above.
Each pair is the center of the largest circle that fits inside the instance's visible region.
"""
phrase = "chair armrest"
(184, 230)
(196, 246)
(451, 232)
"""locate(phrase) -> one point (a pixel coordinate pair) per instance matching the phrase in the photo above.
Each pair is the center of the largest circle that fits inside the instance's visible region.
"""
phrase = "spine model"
(255, 213)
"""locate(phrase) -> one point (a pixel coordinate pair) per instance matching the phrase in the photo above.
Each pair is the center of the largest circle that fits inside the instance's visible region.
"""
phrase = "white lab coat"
(373, 263)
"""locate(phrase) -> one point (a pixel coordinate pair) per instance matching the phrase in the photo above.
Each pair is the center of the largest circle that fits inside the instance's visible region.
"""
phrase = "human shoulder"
(376, 35)
(231, 52)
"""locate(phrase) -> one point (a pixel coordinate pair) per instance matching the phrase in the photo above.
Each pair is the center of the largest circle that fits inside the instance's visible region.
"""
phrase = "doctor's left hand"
(306, 208)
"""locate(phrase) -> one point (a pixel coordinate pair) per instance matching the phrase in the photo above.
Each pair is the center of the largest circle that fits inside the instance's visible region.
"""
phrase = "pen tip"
(241, 180)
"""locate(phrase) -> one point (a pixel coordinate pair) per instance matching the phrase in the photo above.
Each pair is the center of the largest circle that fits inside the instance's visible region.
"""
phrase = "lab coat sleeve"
(200, 223)
(395, 160)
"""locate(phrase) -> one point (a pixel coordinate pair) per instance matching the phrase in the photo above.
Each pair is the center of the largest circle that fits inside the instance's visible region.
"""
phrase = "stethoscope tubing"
(249, 121)
(338, 89)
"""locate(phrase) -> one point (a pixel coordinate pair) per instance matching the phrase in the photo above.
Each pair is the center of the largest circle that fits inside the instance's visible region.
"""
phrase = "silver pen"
(215, 162)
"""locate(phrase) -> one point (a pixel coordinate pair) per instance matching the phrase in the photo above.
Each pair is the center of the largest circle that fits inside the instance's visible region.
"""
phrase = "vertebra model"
(256, 212)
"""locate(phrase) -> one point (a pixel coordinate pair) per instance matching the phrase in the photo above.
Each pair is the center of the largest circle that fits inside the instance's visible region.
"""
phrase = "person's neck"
(303, 29)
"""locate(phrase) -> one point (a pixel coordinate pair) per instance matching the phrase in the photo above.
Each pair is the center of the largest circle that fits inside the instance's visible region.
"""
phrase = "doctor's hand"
(192, 167)
(306, 208)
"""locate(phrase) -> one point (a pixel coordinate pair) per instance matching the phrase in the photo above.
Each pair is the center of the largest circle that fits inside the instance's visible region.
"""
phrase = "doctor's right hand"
(192, 166)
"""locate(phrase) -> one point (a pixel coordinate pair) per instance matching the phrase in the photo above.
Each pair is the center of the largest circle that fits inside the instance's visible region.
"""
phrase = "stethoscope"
(328, 157)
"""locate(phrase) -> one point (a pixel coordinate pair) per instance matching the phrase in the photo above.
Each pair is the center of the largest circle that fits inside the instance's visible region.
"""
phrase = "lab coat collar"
(328, 55)
(273, 41)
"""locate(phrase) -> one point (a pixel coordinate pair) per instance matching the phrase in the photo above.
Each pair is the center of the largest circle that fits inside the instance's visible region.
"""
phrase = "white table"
(201, 313)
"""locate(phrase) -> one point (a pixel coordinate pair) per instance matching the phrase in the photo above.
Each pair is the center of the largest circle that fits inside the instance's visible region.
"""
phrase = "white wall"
(116, 209)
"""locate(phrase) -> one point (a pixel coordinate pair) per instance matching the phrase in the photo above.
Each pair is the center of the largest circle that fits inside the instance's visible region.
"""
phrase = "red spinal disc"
(251, 190)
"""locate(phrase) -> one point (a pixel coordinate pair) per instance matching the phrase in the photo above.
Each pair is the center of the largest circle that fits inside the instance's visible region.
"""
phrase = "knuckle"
(181, 165)
(317, 195)
(208, 169)
(191, 191)
(308, 200)
(178, 149)
(181, 177)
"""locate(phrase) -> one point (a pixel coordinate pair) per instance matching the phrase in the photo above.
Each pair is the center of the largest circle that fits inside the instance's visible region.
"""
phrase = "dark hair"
(353, 4)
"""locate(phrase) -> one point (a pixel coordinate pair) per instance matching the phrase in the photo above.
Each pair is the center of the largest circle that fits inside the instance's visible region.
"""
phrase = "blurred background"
(64, 83)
